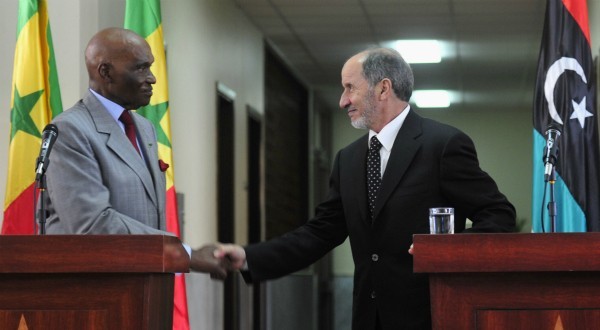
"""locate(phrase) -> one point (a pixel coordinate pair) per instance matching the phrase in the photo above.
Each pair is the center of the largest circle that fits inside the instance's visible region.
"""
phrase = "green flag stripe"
(54, 92)
(142, 16)
(27, 8)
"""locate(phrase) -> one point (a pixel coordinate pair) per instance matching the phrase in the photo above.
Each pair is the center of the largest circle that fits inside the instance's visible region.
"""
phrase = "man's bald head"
(108, 45)
(118, 63)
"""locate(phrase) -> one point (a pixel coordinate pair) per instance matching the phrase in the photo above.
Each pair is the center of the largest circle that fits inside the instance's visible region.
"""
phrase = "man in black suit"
(424, 164)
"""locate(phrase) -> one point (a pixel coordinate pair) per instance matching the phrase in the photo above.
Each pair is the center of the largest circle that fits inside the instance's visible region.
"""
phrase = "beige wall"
(594, 19)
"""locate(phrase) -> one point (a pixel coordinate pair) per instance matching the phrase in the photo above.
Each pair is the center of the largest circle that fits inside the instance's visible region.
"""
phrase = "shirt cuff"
(188, 249)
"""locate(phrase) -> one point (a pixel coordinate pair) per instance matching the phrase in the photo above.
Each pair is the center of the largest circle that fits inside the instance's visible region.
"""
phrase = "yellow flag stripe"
(161, 94)
(159, 68)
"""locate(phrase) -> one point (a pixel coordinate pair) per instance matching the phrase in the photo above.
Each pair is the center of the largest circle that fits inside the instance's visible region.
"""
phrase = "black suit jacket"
(431, 164)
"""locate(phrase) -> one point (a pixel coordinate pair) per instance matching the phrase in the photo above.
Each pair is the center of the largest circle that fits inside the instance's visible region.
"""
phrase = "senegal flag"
(35, 101)
(144, 17)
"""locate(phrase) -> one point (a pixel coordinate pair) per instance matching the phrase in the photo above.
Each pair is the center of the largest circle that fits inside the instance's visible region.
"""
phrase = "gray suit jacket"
(97, 184)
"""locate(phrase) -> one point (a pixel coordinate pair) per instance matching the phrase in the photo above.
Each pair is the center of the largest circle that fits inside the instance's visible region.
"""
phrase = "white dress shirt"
(387, 136)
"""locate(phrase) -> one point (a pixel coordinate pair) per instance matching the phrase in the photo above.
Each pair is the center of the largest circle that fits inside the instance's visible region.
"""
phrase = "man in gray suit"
(98, 182)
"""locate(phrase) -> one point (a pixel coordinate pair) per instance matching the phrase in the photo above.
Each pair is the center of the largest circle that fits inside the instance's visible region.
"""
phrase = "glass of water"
(441, 220)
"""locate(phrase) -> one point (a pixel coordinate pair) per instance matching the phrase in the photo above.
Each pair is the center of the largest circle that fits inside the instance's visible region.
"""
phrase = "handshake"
(218, 259)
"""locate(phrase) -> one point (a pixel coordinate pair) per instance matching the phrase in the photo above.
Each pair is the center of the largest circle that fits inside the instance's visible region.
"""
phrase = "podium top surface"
(92, 254)
(519, 252)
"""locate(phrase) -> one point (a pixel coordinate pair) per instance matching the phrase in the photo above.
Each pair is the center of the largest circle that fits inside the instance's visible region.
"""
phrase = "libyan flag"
(144, 17)
(35, 101)
(565, 97)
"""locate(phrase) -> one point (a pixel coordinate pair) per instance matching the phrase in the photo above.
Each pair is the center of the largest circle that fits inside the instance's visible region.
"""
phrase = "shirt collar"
(388, 133)
(113, 109)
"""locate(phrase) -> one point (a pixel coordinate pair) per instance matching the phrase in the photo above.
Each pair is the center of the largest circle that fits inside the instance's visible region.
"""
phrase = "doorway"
(225, 196)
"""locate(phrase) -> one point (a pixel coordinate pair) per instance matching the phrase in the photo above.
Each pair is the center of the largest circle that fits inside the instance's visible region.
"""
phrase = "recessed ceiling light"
(419, 51)
(433, 98)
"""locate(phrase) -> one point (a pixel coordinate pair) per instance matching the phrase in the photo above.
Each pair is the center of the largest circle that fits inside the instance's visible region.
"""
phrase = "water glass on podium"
(441, 220)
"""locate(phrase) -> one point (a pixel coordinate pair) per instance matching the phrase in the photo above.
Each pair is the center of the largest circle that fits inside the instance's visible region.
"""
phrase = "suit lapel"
(149, 148)
(358, 177)
(118, 142)
(403, 152)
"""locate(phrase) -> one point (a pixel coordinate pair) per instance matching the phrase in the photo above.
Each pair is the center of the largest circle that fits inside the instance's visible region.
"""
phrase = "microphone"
(49, 136)
(551, 150)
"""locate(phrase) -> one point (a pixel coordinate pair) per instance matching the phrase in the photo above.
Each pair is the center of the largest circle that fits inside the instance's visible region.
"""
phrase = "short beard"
(366, 120)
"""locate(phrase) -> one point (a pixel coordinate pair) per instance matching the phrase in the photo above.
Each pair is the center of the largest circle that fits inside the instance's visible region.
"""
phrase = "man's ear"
(104, 70)
(385, 89)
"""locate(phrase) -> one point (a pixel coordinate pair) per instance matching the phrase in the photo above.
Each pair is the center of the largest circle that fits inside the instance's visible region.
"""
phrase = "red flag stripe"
(180, 309)
(578, 9)
(20, 212)
(171, 212)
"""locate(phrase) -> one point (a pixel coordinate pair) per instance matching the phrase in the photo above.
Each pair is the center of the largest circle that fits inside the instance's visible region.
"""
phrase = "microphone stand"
(551, 203)
(42, 201)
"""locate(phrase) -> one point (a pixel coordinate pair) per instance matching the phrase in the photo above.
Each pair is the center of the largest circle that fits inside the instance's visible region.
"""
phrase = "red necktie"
(126, 119)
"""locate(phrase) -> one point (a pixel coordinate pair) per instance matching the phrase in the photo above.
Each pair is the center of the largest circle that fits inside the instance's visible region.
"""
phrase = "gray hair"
(381, 63)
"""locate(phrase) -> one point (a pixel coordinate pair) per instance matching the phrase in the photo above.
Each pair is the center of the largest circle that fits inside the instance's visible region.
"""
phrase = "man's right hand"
(235, 255)
(204, 260)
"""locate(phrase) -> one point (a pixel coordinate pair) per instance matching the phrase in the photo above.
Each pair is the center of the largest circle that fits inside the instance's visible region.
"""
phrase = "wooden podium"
(512, 281)
(89, 282)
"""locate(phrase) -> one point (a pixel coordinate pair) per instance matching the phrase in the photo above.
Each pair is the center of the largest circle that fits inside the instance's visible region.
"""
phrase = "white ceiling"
(491, 45)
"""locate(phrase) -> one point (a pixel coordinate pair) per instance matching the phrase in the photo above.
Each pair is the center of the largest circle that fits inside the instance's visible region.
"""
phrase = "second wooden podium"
(88, 282)
(512, 281)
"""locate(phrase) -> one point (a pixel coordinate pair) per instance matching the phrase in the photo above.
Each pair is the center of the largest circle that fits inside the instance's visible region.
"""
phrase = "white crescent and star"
(554, 72)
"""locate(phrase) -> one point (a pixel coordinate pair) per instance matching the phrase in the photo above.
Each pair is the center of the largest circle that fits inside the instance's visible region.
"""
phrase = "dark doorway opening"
(255, 235)
(225, 200)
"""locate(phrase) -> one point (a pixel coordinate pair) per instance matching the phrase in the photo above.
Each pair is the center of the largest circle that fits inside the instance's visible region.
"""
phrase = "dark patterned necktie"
(126, 119)
(373, 172)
